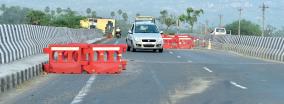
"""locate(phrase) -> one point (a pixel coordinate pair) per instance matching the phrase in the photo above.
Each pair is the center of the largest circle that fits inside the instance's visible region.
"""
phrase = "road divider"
(77, 58)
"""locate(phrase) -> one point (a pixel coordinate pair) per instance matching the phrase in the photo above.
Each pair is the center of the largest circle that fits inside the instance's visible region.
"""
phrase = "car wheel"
(161, 50)
(128, 48)
(133, 49)
(154, 50)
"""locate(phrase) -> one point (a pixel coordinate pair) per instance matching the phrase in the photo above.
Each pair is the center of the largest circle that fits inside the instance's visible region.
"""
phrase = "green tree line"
(60, 17)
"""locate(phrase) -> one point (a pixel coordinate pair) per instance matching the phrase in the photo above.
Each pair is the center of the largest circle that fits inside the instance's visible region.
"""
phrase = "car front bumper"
(148, 45)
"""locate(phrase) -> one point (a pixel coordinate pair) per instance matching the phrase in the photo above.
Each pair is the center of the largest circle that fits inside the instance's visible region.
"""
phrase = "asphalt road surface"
(196, 76)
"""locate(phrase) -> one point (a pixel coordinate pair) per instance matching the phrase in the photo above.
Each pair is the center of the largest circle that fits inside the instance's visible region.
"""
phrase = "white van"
(219, 31)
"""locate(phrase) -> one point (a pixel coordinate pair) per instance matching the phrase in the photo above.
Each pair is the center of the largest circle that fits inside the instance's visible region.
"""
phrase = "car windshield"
(146, 29)
(220, 30)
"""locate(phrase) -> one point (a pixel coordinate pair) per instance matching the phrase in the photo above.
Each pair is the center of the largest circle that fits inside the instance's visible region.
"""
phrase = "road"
(197, 76)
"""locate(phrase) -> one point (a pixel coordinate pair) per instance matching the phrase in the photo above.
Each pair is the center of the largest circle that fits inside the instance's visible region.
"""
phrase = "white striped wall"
(19, 41)
(263, 47)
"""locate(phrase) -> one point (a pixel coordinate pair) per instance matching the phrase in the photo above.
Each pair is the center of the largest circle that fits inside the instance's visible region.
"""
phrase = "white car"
(144, 35)
(219, 31)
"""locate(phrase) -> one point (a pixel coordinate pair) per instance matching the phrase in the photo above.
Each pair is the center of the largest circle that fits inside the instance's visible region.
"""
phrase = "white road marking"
(171, 52)
(189, 61)
(83, 92)
(178, 56)
(116, 42)
(207, 69)
(237, 85)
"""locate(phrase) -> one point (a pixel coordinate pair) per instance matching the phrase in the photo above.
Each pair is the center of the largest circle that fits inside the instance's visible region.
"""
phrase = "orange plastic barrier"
(169, 41)
(106, 58)
(65, 58)
(184, 41)
(181, 41)
(92, 58)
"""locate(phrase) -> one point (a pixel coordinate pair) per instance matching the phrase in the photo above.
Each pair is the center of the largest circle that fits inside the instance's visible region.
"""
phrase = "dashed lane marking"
(84, 91)
(207, 69)
(237, 85)
(189, 61)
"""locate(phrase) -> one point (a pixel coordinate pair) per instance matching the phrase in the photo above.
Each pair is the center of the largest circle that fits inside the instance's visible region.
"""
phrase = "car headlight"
(136, 39)
(160, 40)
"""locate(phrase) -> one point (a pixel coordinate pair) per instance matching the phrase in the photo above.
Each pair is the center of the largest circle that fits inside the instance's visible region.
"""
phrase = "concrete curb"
(17, 77)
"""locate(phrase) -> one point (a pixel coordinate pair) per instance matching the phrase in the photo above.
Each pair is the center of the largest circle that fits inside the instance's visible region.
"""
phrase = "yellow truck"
(104, 24)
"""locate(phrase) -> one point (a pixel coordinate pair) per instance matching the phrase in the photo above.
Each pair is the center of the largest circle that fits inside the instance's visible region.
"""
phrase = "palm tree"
(52, 12)
(169, 21)
(88, 11)
(3, 7)
(137, 14)
(58, 10)
(94, 14)
(164, 15)
(47, 9)
(125, 16)
(191, 17)
(119, 12)
(112, 14)
(68, 10)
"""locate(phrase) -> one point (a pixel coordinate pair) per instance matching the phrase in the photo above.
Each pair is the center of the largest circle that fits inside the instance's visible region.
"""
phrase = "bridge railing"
(263, 47)
(19, 41)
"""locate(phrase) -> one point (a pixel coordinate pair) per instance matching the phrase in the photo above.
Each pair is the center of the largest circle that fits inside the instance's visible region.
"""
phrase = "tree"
(164, 14)
(52, 12)
(14, 15)
(58, 10)
(94, 14)
(89, 11)
(125, 16)
(279, 32)
(137, 14)
(269, 30)
(169, 21)
(247, 28)
(3, 7)
(37, 17)
(119, 12)
(47, 9)
(68, 10)
(191, 17)
(112, 14)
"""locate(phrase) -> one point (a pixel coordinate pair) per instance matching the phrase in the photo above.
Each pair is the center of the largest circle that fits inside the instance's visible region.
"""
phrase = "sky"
(228, 8)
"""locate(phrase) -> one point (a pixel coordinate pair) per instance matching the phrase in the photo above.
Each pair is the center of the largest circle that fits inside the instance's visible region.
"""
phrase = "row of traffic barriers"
(77, 58)
(179, 41)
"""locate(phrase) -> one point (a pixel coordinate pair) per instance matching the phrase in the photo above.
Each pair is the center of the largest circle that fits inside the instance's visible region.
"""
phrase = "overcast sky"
(228, 8)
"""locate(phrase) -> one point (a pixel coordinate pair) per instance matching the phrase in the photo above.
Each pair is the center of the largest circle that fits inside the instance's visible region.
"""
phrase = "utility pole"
(206, 27)
(263, 8)
(220, 20)
(240, 16)
(178, 25)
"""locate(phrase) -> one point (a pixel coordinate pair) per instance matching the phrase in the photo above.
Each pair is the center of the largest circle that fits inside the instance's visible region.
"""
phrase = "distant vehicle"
(219, 31)
(145, 19)
(144, 35)
(117, 32)
(105, 24)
